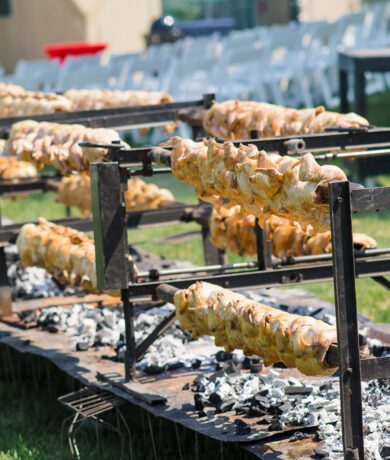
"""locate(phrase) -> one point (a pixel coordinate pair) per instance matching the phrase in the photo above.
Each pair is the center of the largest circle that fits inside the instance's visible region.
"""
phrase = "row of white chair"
(293, 64)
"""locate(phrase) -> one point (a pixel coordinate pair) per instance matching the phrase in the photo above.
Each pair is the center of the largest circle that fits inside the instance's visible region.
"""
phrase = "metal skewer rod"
(166, 292)
(206, 268)
(342, 155)
(253, 264)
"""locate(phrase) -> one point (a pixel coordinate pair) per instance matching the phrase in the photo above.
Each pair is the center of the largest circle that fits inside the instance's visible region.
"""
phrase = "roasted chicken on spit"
(236, 119)
(58, 144)
(15, 101)
(75, 191)
(257, 329)
(96, 99)
(262, 184)
(67, 254)
(11, 168)
(232, 230)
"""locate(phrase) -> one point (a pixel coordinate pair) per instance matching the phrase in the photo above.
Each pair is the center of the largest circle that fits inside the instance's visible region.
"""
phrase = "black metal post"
(264, 249)
(130, 354)
(360, 91)
(109, 225)
(347, 323)
(212, 254)
(343, 91)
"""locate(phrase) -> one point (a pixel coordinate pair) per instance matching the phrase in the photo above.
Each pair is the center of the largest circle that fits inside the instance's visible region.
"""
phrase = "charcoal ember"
(28, 317)
(226, 406)
(242, 409)
(230, 367)
(255, 410)
(82, 346)
(319, 452)
(362, 339)
(198, 384)
(263, 392)
(249, 363)
(279, 366)
(318, 437)
(196, 363)
(198, 402)
(256, 367)
(153, 369)
(267, 419)
(385, 449)
(298, 436)
(222, 356)
(186, 387)
(326, 386)
(215, 399)
(216, 375)
(176, 365)
(297, 390)
(276, 425)
(262, 402)
(242, 428)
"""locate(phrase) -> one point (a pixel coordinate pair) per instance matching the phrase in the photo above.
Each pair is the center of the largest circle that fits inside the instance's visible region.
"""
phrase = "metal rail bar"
(156, 274)
(122, 117)
(309, 273)
(314, 143)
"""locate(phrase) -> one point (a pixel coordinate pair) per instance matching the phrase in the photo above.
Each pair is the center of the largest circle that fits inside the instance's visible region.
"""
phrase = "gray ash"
(288, 402)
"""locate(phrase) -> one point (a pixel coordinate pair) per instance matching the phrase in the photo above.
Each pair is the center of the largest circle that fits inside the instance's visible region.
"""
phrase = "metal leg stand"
(347, 323)
(130, 357)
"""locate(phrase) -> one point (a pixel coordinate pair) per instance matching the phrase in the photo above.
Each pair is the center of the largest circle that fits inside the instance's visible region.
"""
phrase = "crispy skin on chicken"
(261, 184)
(16, 101)
(75, 190)
(236, 119)
(96, 99)
(239, 323)
(67, 254)
(58, 145)
(232, 230)
(11, 168)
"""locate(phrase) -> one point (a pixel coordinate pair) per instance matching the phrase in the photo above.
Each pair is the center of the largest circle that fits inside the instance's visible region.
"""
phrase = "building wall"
(34, 23)
(121, 23)
(318, 10)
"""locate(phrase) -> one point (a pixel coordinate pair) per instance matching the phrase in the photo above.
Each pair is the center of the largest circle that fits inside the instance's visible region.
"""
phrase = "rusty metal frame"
(344, 201)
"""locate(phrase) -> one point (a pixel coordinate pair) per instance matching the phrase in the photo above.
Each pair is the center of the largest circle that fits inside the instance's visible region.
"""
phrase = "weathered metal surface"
(84, 366)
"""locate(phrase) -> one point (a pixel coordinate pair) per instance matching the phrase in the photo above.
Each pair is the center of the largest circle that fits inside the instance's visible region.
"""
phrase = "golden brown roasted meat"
(262, 184)
(58, 144)
(239, 323)
(232, 230)
(96, 99)
(11, 168)
(67, 254)
(16, 101)
(75, 190)
(236, 119)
